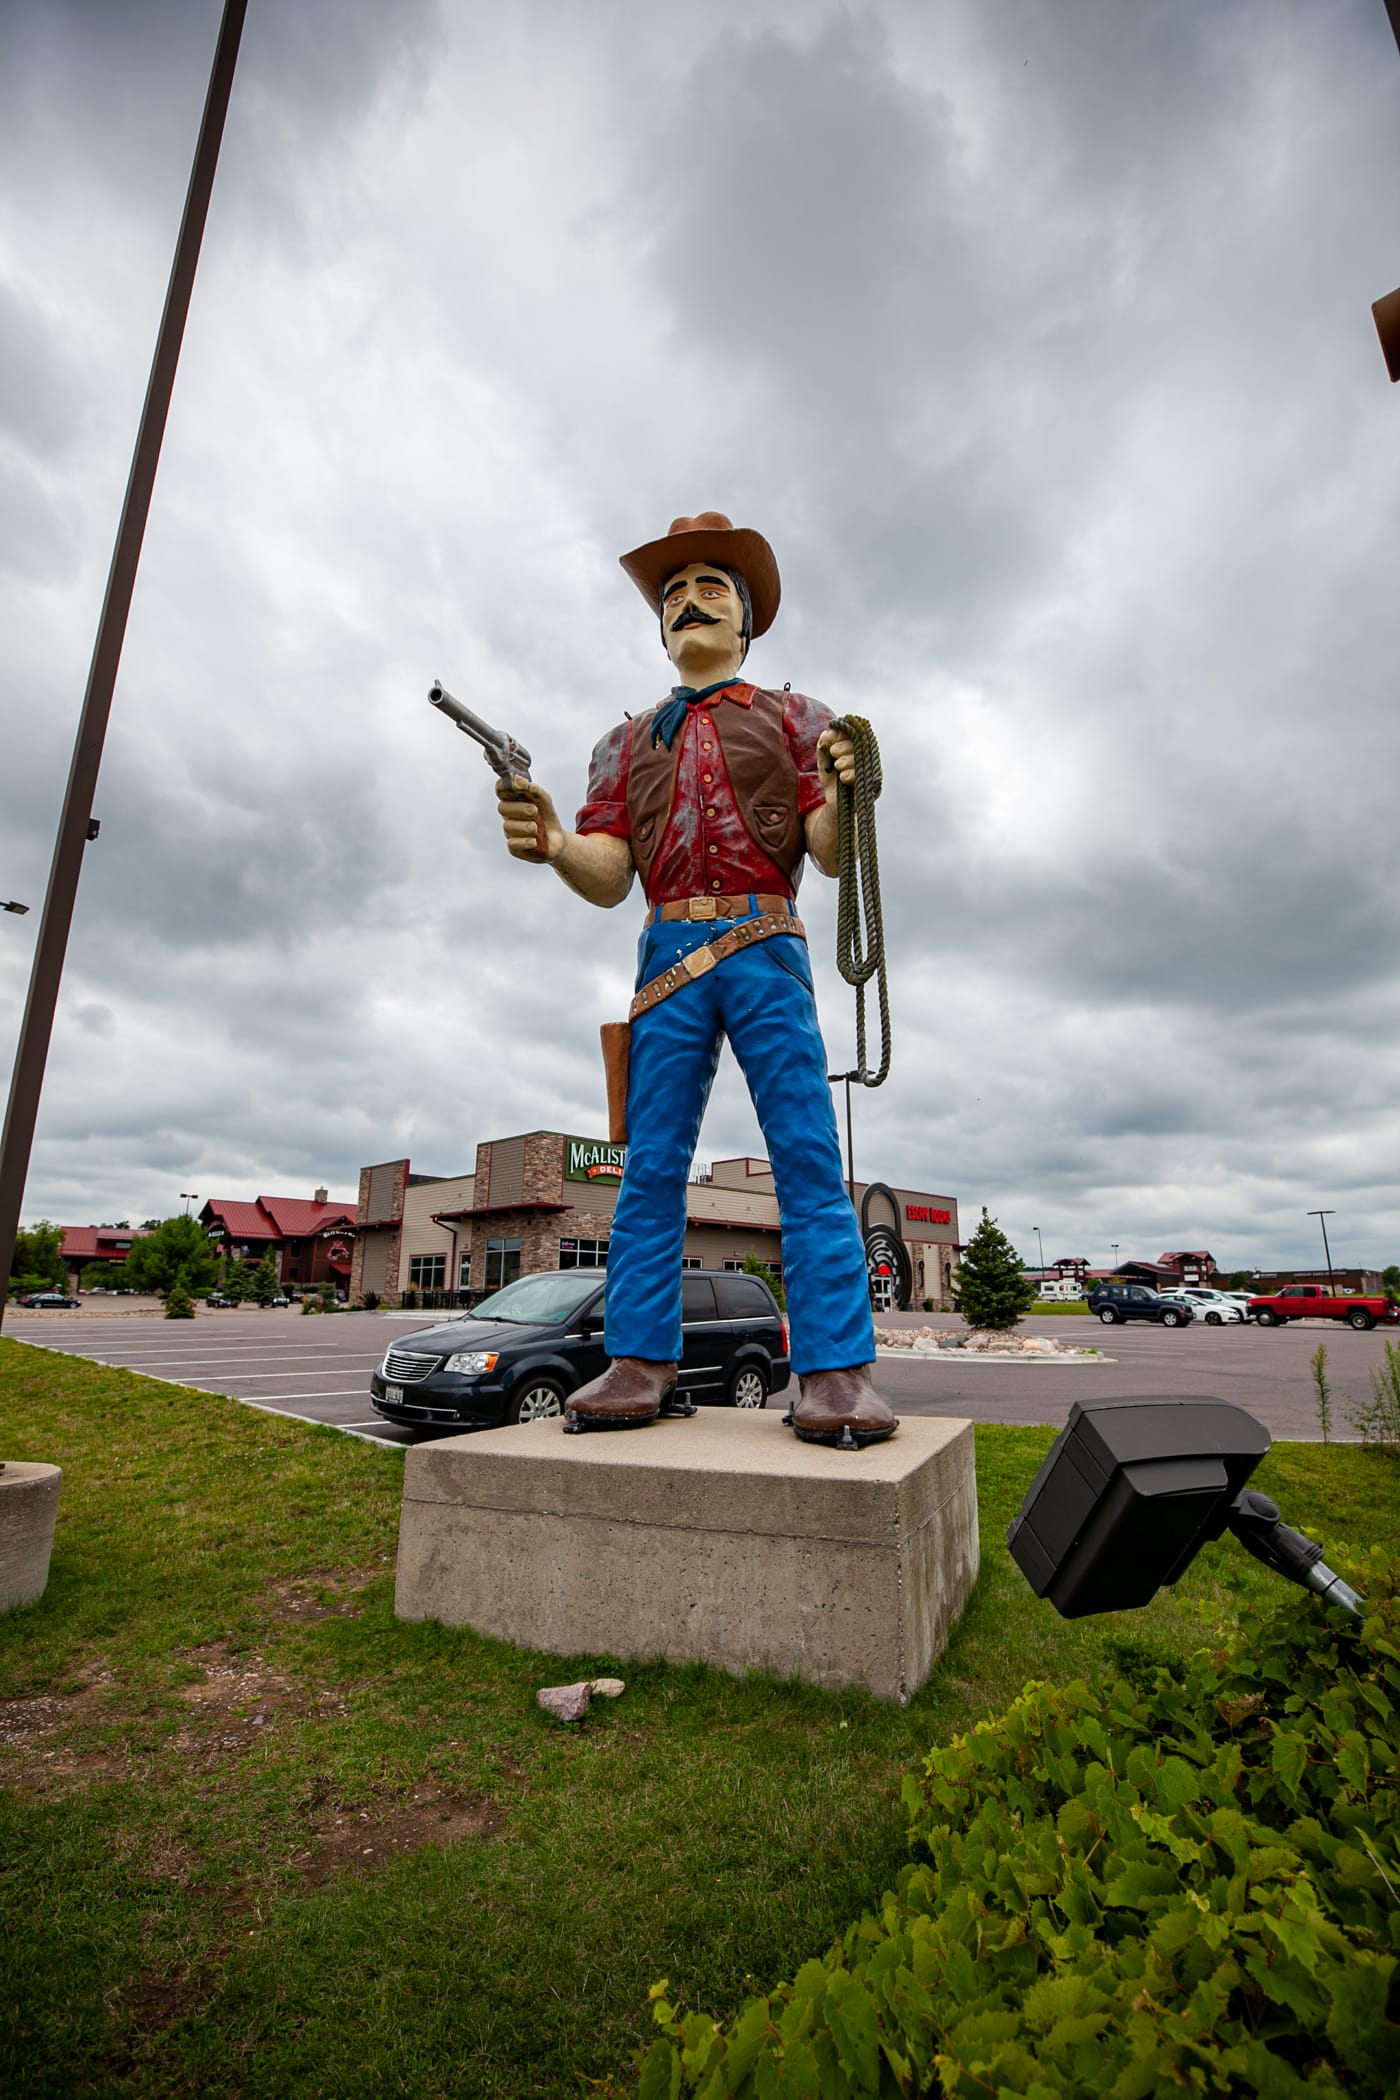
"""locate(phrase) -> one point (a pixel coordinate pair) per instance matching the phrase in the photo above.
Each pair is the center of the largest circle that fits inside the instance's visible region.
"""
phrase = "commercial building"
(311, 1240)
(545, 1200)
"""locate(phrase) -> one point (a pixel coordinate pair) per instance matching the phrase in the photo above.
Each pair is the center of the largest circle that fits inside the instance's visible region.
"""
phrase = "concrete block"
(719, 1539)
(28, 1512)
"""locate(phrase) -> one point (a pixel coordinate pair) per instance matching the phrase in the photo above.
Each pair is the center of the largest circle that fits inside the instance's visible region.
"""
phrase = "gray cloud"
(1035, 336)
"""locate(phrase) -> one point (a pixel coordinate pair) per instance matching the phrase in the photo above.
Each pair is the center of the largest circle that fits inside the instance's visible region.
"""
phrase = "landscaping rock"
(570, 1702)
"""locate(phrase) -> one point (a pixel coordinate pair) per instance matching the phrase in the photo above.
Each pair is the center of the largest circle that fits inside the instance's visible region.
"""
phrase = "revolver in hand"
(505, 757)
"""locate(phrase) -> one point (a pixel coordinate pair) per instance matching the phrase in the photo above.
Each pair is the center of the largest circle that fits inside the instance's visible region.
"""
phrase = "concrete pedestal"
(28, 1512)
(720, 1539)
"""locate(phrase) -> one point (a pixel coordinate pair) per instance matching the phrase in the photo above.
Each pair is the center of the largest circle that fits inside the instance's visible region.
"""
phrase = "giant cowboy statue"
(713, 798)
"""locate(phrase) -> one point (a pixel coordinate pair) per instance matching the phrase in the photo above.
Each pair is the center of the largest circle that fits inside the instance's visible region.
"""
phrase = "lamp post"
(77, 827)
(1322, 1216)
(1041, 1244)
(1114, 1245)
(187, 1197)
(832, 1079)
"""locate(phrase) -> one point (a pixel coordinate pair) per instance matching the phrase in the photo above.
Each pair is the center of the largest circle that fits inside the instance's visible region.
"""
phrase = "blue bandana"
(669, 718)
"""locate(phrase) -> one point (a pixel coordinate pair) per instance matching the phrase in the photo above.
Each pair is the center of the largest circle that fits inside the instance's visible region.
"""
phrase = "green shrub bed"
(1186, 1885)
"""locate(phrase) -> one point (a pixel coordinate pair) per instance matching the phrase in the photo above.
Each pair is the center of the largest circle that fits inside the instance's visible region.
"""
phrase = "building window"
(692, 1261)
(427, 1272)
(583, 1254)
(502, 1263)
(464, 1272)
(736, 1268)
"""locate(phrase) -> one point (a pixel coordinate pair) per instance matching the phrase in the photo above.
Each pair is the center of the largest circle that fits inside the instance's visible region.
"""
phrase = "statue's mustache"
(693, 617)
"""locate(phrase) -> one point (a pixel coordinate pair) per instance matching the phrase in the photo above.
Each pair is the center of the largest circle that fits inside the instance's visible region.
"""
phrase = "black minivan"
(518, 1355)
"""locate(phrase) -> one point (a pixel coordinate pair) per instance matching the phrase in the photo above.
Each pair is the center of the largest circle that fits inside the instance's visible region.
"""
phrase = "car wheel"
(1108, 1316)
(535, 1400)
(1268, 1319)
(1360, 1319)
(1215, 1319)
(1172, 1319)
(748, 1387)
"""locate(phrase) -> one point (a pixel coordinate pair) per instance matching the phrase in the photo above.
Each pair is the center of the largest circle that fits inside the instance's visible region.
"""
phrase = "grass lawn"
(259, 1838)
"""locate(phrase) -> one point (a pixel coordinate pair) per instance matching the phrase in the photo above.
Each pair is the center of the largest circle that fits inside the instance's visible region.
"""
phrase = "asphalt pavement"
(317, 1368)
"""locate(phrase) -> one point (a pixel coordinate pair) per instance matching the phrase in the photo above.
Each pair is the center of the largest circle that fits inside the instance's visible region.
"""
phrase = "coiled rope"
(860, 928)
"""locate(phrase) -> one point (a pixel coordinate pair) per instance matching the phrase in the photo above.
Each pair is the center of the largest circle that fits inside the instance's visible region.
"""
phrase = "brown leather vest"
(761, 774)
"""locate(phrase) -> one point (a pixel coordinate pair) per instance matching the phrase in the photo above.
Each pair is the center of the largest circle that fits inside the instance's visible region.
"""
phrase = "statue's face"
(702, 617)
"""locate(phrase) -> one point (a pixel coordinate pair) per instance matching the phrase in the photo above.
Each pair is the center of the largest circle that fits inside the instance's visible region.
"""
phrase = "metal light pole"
(1114, 1245)
(1322, 1216)
(1041, 1244)
(187, 1198)
(77, 826)
(831, 1079)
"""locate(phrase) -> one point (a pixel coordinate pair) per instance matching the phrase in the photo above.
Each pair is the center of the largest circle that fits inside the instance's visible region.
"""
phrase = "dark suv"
(1114, 1302)
(518, 1355)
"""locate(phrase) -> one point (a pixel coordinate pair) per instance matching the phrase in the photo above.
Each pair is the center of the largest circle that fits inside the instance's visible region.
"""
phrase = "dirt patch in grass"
(322, 1596)
(358, 1837)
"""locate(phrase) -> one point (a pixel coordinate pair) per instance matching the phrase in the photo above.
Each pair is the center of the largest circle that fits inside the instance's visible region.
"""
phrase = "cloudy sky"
(1035, 335)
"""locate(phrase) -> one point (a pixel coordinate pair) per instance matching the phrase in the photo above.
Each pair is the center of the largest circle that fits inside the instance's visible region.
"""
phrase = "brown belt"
(715, 908)
(747, 934)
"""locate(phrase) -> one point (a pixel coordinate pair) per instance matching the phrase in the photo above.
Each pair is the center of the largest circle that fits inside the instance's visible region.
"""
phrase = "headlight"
(472, 1362)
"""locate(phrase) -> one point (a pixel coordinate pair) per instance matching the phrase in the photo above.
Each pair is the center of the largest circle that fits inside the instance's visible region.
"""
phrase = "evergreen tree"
(176, 1252)
(238, 1282)
(179, 1305)
(755, 1265)
(265, 1280)
(991, 1289)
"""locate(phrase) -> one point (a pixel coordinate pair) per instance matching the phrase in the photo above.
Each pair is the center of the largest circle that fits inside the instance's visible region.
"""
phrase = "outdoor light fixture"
(1132, 1489)
(15, 905)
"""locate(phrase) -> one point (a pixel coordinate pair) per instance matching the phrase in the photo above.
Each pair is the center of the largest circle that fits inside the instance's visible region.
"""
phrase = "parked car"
(280, 1299)
(518, 1355)
(217, 1302)
(1115, 1302)
(38, 1298)
(1216, 1308)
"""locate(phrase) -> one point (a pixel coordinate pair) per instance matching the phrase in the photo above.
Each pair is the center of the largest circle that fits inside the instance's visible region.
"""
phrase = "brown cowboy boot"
(841, 1408)
(631, 1391)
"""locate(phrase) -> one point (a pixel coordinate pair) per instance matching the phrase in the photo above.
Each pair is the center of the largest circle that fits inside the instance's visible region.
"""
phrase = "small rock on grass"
(570, 1702)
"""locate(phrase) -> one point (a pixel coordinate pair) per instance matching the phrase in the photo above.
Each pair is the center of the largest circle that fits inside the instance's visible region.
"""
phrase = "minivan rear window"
(743, 1298)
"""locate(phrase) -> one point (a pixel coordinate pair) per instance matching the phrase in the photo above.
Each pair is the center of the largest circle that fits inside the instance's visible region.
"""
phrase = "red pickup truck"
(1308, 1301)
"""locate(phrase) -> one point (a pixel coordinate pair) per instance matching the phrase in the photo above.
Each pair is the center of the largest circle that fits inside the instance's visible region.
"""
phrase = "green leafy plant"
(991, 1289)
(755, 1265)
(1377, 1421)
(179, 1305)
(1317, 1364)
(38, 1260)
(1189, 1887)
(176, 1251)
(238, 1282)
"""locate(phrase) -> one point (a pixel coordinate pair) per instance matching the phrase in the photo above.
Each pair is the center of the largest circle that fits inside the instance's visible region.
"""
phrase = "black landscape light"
(1132, 1489)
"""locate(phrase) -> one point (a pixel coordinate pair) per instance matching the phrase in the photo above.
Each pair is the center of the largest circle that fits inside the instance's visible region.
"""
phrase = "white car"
(1216, 1308)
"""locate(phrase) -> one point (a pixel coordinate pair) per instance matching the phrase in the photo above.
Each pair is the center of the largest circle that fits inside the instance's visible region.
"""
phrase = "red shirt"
(705, 847)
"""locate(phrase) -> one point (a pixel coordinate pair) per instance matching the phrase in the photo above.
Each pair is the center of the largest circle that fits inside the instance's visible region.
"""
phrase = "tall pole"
(1041, 1244)
(76, 828)
(831, 1079)
(1322, 1216)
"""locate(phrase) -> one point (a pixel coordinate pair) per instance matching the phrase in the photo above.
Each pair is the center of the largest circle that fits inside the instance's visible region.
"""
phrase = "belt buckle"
(703, 908)
(698, 961)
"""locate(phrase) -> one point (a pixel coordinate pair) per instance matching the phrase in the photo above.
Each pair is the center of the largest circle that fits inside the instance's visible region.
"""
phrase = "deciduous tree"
(177, 1252)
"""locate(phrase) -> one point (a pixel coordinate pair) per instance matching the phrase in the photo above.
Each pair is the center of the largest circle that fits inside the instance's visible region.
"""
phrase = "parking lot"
(318, 1369)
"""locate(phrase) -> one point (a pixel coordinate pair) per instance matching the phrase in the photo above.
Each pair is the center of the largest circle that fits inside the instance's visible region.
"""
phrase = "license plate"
(393, 1394)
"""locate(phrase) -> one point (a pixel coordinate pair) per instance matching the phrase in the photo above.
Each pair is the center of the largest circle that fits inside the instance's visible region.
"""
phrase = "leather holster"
(617, 1045)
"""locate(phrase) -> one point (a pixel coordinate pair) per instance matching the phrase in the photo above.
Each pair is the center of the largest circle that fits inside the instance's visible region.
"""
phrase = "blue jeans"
(762, 1000)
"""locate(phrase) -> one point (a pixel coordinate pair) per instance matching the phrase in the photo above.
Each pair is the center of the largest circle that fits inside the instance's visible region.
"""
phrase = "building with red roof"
(83, 1244)
(311, 1239)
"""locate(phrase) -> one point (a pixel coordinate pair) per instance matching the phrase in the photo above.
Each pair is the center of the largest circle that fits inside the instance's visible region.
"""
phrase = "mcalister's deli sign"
(585, 1161)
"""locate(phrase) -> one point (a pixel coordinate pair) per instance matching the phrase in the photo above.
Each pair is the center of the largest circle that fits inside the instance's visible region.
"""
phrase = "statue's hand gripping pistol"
(508, 760)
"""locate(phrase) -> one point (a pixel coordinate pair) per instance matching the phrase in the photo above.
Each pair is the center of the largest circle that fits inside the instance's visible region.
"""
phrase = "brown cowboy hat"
(709, 537)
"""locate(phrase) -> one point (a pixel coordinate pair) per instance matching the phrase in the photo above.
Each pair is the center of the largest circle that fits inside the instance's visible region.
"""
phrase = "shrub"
(370, 1301)
(311, 1305)
(1191, 1887)
(179, 1305)
(755, 1265)
(1378, 1419)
